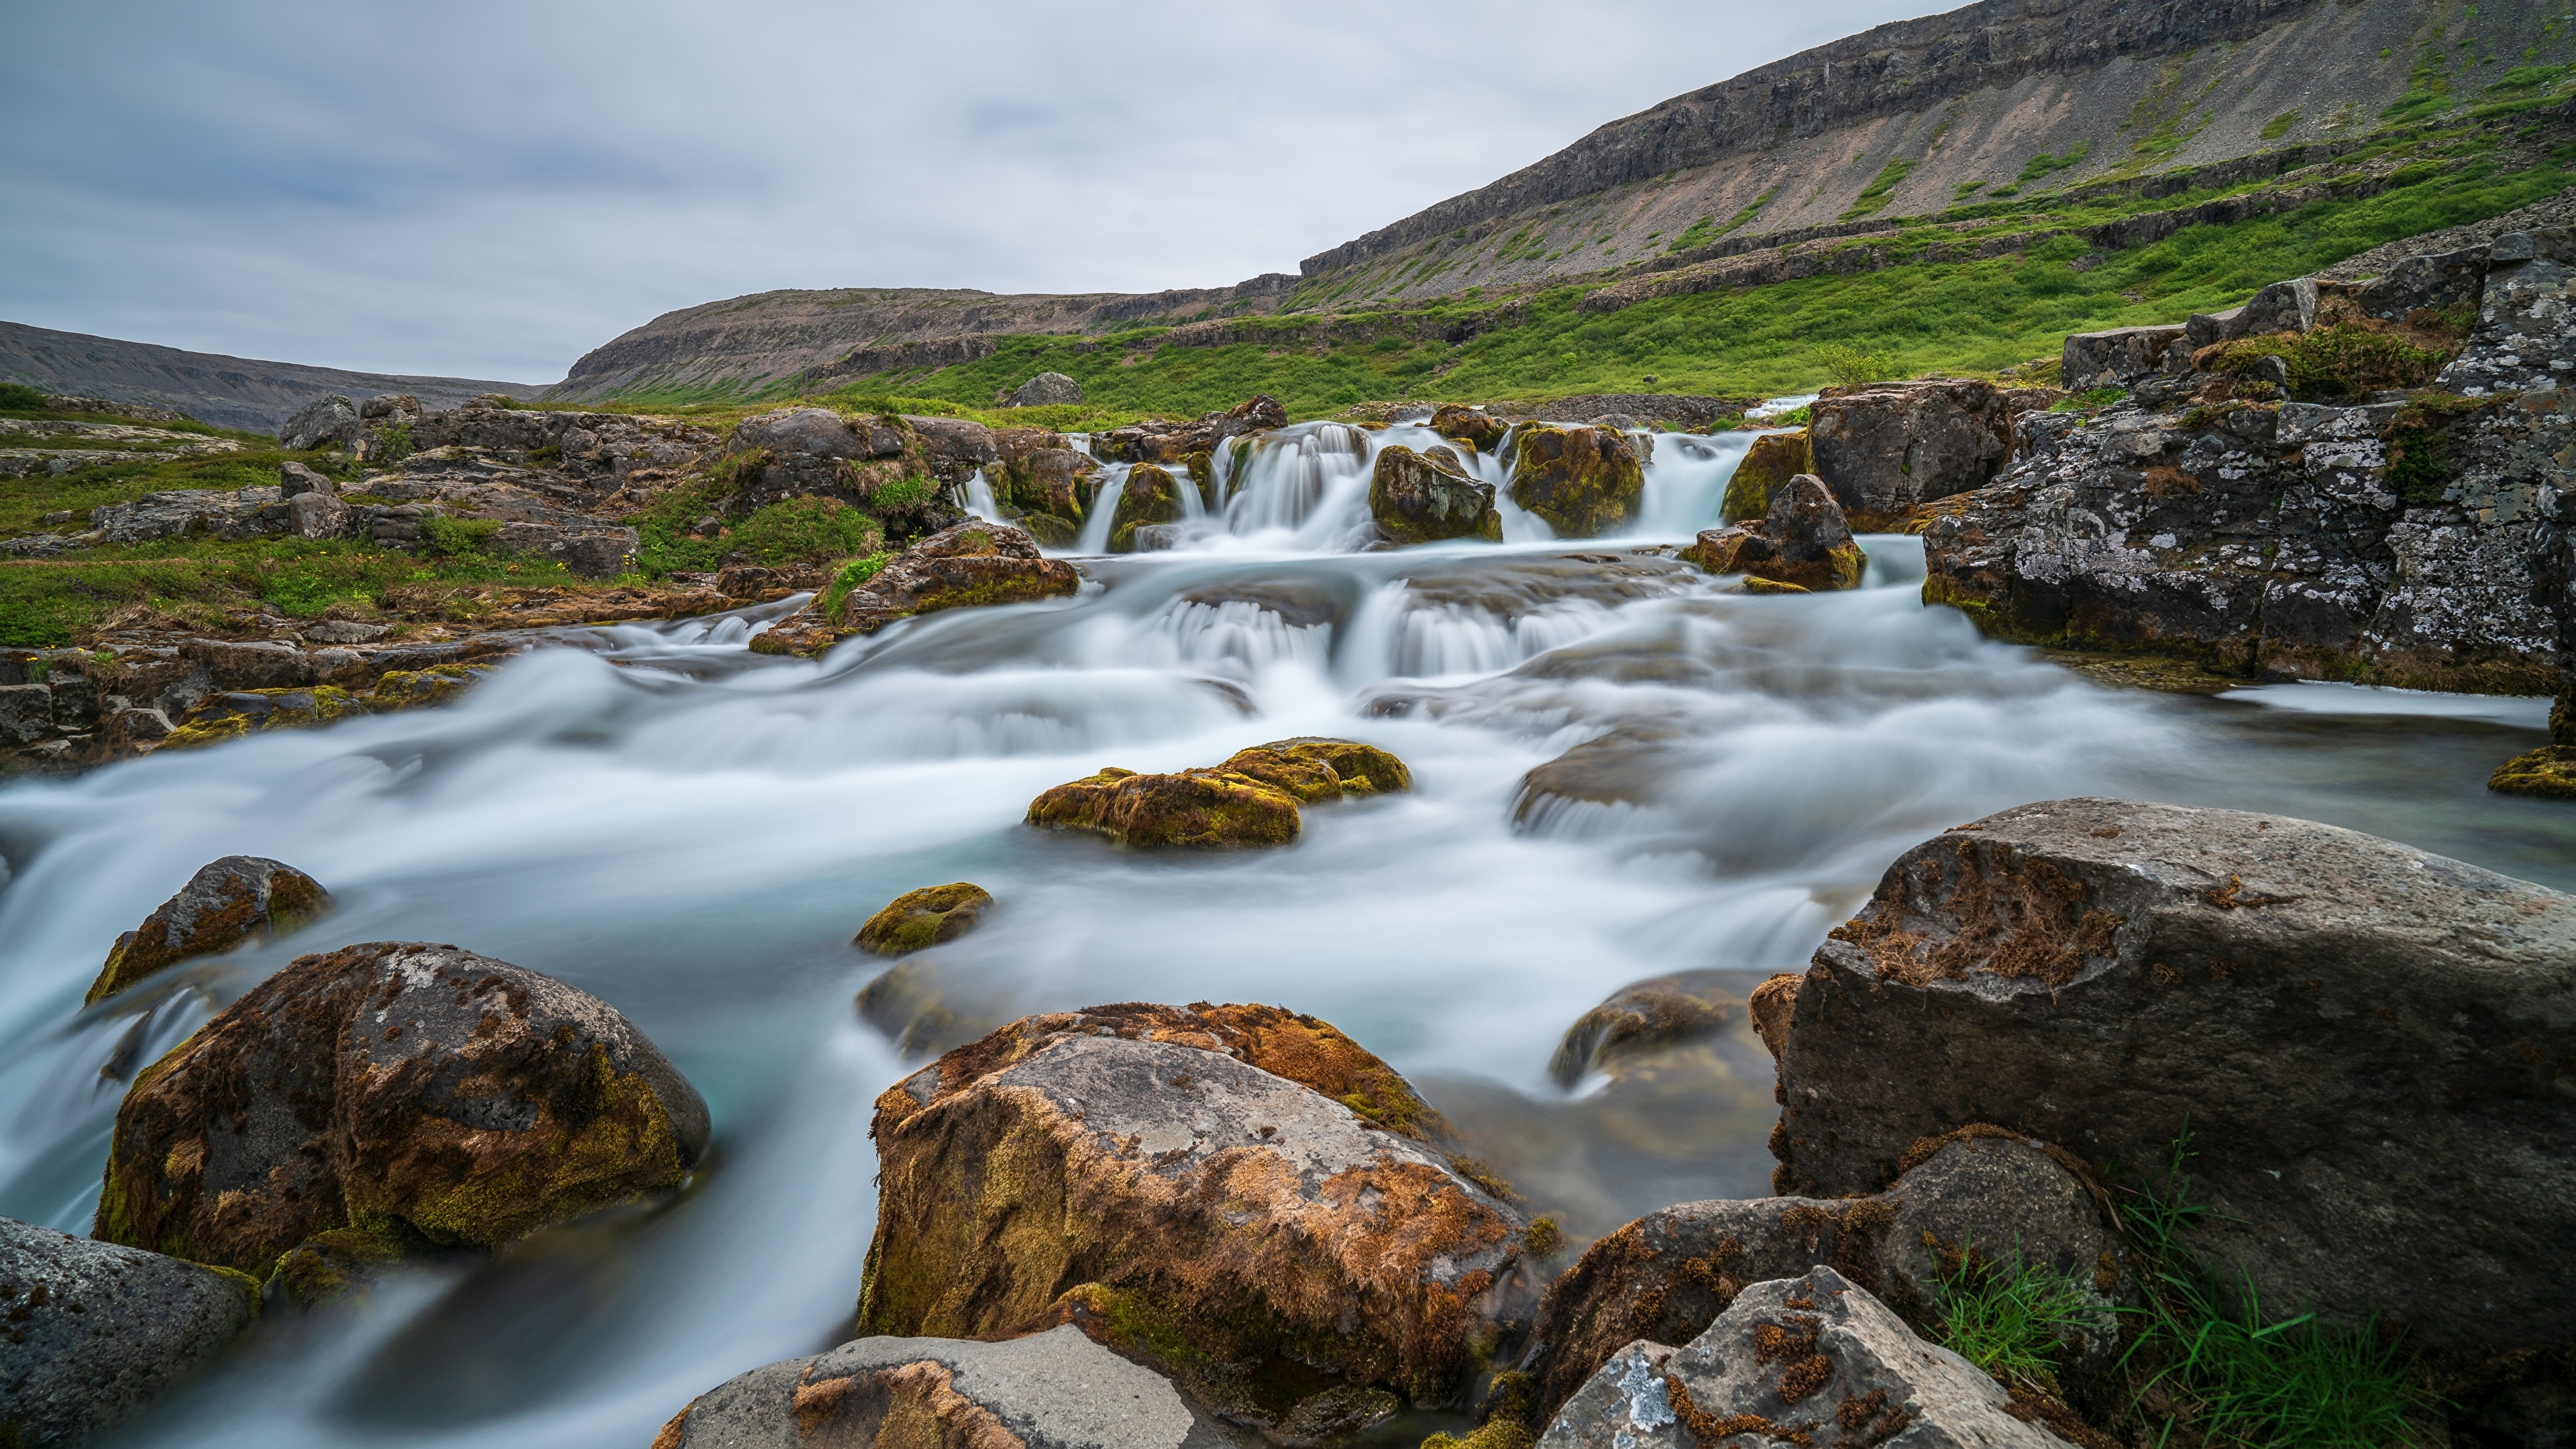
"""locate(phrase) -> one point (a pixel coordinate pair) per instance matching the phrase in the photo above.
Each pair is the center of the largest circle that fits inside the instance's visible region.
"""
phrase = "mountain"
(231, 392)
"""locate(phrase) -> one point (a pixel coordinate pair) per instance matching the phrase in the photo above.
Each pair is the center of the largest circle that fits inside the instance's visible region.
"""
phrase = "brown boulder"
(920, 919)
(236, 899)
(1238, 1195)
(1426, 496)
(1583, 482)
(969, 565)
(385, 1094)
(1802, 543)
(1470, 425)
(1160, 441)
(1889, 447)
(1769, 464)
(1250, 799)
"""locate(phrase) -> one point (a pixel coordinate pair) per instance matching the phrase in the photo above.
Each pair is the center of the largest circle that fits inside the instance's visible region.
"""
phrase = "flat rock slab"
(91, 1332)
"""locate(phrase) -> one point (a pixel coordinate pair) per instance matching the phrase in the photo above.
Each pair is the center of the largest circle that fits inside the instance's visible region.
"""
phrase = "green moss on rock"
(1772, 460)
(1152, 495)
(236, 899)
(917, 920)
(2547, 773)
(1583, 482)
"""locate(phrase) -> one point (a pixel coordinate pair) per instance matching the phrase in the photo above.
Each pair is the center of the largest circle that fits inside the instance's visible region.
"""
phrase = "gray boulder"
(390, 407)
(331, 419)
(320, 515)
(1887, 448)
(294, 480)
(2366, 1044)
(1052, 1390)
(1421, 497)
(1047, 389)
(92, 1332)
(2106, 359)
(1814, 1357)
(2289, 306)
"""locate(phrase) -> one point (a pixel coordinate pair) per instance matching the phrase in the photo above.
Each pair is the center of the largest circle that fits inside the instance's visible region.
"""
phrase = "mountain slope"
(231, 392)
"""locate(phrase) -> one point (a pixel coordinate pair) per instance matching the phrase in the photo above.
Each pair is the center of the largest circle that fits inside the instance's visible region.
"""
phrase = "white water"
(693, 832)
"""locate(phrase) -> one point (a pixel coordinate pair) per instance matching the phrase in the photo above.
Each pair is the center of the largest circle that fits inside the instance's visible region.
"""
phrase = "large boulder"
(2365, 1047)
(236, 899)
(1462, 424)
(1670, 1274)
(1159, 441)
(1052, 1390)
(385, 1095)
(93, 1332)
(1582, 482)
(1047, 389)
(1252, 798)
(1147, 496)
(1768, 465)
(1887, 448)
(1426, 496)
(1239, 1195)
(2111, 359)
(1812, 1360)
(918, 920)
(1801, 544)
(329, 419)
(812, 452)
(967, 565)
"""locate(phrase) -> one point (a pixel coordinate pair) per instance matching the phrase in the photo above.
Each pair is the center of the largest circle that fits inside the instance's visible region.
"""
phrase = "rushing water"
(693, 832)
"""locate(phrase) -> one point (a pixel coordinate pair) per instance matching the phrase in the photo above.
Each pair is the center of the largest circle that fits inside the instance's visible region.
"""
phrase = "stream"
(693, 832)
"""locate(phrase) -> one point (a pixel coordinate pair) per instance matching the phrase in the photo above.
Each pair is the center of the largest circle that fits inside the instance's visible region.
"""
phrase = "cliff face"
(230, 392)
(1999, 98)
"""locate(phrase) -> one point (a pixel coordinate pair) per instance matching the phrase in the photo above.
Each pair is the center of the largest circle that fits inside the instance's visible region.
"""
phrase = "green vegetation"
(1851, 366)
(2039, 167)
(2280, 125)
(2340, 360)
(17, 397)
(2010, 1317)
(1874, 197)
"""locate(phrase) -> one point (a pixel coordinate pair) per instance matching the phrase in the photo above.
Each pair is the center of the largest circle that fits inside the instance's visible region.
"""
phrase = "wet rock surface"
(385, 1096)
(2366, 1044)
(1889, 447)
(1161, 441)
(1461, 423)
(236, 899)
(918, 920)
(91, 1333)
(1657, 1012)
(1251, 799)
(1052, 1390)
(1814, 1357)
(1241, 1196)
(1769, 463)
(1802, 542)
(1582, 482)
(1667, 1276)
(1150, 495)
(967, 565)
(1427, 496)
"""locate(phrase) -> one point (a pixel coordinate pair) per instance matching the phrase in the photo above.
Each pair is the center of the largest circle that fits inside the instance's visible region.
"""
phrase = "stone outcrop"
(918, 920)
(1769, 463)
(2092, 360)
(1160, 441)
(1802, 545)
(328, 419)
(1582, 482)
(1240, 1196)
(1149, 495)
(1427, 496)
(1047, 389)
(1052, 1390)
(2366, 1045)
(1046, 481)
(236, 713)
(1812, 1360)
(92, 1332)
(1251, 799)
(1670, 1274)
(236, 899)
(389, 1095)
(1463, 424)
(967, 565)
(1889, 447)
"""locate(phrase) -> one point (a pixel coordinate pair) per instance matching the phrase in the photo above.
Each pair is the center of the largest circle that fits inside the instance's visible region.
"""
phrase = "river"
(693, 832)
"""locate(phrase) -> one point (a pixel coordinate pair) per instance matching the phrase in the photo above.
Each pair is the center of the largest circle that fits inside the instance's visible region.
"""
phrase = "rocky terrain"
(231, 392)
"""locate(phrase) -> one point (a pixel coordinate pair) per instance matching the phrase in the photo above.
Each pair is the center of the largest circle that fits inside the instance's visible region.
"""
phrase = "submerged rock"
(1985, 1192)
(397, 1092)
(917, 920)
(1812, 1360)
(1769, 464)
(2366, 1047)
(1802, 543)
(969, 565)
(1889, 447)
(1052, 1390)
(1583, 482)
(1242, 1196)
(1424, 497)
(1251, 799)
(1647, 1014)
(90, 1332)
(236, 899)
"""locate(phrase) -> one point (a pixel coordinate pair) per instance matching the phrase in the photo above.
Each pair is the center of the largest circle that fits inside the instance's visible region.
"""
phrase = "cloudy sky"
(489, 190)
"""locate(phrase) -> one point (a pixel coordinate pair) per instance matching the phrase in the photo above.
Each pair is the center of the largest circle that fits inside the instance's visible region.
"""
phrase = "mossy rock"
(400, 1088)
(918, 920)
(1583, 482)
(1362, 769)
(242, 712)
(1049, 530)
(1205, 809)
(1428, 496)
(1772, 461)
(333, 1261)
(1152, 495)
(2547, 773)
(1473, 426)
(236, 899)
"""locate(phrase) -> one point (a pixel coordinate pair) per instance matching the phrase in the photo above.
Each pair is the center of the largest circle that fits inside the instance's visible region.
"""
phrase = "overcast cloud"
(489, 190)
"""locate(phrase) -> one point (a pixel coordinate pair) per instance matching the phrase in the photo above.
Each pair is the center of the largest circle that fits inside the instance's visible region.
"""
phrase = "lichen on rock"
(1427, 496)
(918, 920)
(236, 899)
(1251, 799)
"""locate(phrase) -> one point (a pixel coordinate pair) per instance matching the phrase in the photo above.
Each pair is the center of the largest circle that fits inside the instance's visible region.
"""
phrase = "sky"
(490, 190)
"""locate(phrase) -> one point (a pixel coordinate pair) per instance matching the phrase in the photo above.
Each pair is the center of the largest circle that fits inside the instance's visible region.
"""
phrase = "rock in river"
(971, 564)
(1583, 482)
(1801, 544)
(236, 899)
(387, 1094)
(1052, 1390)
(1240, 1195)
(2369, 1046)
(1251, 799)
(1426, 496)
(919, 919)
(91, 1332)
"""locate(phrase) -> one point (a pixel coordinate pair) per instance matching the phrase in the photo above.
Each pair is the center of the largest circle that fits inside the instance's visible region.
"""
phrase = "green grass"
(2039, 167)
(1874, 197)
(2010, 1318)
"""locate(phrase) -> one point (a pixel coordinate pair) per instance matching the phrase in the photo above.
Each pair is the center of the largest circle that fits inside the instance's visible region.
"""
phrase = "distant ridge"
(230, 392)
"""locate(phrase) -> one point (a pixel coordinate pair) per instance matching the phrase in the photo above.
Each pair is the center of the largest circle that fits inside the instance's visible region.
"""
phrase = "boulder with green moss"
(2547, 773)
(387, 1095)
(967, 565)
(1472, 426)
(1427, 496)
(918, 920)
(1160, 441)
(232, 715)
(233, 900)
(1582, 482)
(1150, 495)
(1240, 1196)
(1802, 544)
(1768, 465)
(91, 1333)
(1252, 798)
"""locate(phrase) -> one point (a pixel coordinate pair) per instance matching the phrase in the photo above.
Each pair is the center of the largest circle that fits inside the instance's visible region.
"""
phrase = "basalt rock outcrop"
(1582, 482)
(919, 920)
(1889, 447)
(1159, 441)
(233, 900)
(1240, 1196)
(2366, 1048)
(387, 1096)
(1802, 544)
(1667, 1276)
(1427, 496)
(967, 565)
(91, 1333)
(2366, 526)
(1052, 1390)
(235, 713)
(1253, 798)
(1813, 1360)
